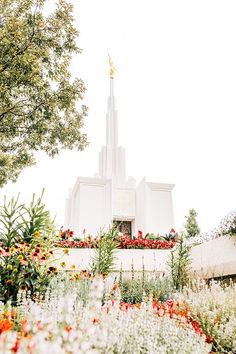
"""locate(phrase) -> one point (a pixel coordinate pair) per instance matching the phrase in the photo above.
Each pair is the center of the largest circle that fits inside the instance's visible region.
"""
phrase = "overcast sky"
(176, 93)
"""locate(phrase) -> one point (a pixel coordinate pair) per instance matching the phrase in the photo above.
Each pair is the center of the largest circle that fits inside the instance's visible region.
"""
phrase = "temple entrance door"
(124, 226)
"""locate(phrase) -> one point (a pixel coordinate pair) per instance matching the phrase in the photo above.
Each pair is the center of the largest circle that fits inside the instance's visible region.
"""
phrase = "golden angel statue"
(112, 68)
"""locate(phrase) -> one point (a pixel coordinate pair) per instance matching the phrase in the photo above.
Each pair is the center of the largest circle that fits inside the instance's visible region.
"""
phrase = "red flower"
(140, 234)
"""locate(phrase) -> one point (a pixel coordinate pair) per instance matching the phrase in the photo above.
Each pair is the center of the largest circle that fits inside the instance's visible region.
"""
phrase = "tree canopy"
(39, 107)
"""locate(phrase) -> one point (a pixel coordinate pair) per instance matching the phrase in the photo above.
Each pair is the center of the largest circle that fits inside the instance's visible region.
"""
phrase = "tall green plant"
(133, 290)
(104, 259)
(180, 264)
(37, 218)
(20, 223)
(26, 242)
(11, 222)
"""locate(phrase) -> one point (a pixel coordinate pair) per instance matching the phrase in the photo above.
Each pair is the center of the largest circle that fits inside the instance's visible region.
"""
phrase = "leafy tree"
(38, 96)
(191, 226)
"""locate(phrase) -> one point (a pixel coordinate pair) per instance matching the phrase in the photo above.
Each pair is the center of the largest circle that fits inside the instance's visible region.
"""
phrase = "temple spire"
(112, 156)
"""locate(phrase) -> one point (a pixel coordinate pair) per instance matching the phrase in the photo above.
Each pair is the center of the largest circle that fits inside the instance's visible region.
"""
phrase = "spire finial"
(112, 68)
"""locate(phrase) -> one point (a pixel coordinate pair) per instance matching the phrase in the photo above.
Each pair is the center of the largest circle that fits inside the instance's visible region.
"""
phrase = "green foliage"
(26, 241)
(38, 96)
(104, 259)
(136, 290)
(191, 226)
(179, 264)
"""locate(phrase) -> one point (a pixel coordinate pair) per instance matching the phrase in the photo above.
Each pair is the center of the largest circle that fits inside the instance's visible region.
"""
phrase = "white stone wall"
(153, 260)
(215, 258)
(159, 208)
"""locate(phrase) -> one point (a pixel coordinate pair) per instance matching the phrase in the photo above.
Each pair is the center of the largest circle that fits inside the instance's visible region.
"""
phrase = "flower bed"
(123, 241)
(62, 323)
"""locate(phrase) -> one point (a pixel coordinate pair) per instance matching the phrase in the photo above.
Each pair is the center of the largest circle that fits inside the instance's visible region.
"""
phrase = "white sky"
(176, 93)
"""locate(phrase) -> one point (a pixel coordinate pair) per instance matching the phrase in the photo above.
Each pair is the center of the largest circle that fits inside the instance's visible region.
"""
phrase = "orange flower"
(9, 282)
(68, 328)
(5, 325)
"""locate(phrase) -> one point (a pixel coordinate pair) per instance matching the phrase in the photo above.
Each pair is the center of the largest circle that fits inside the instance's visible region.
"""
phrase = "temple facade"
(95, 203)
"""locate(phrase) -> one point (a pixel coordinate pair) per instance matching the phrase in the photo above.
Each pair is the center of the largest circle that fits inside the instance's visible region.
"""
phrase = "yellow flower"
(12, 249)
(20, 257)
(63, 264)
(15, 270)
(66, 251)
(37, 234)
(73, 266)
(77, 276)
(9, 267)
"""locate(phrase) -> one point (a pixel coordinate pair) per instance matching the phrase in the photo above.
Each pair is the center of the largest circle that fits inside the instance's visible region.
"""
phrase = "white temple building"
(95, 203)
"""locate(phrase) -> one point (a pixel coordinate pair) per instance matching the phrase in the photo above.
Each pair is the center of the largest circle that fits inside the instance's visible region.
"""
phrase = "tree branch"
(2, 115)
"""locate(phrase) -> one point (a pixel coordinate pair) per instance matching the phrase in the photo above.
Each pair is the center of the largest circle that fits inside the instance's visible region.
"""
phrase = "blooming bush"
(24, 266)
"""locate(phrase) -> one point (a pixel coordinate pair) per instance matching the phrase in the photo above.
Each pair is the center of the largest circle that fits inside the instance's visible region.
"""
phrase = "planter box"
(211, 259)
(153, 259)
(215, 258)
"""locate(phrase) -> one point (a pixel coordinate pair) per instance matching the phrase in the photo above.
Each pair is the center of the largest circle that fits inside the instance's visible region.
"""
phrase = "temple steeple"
(112, 156)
